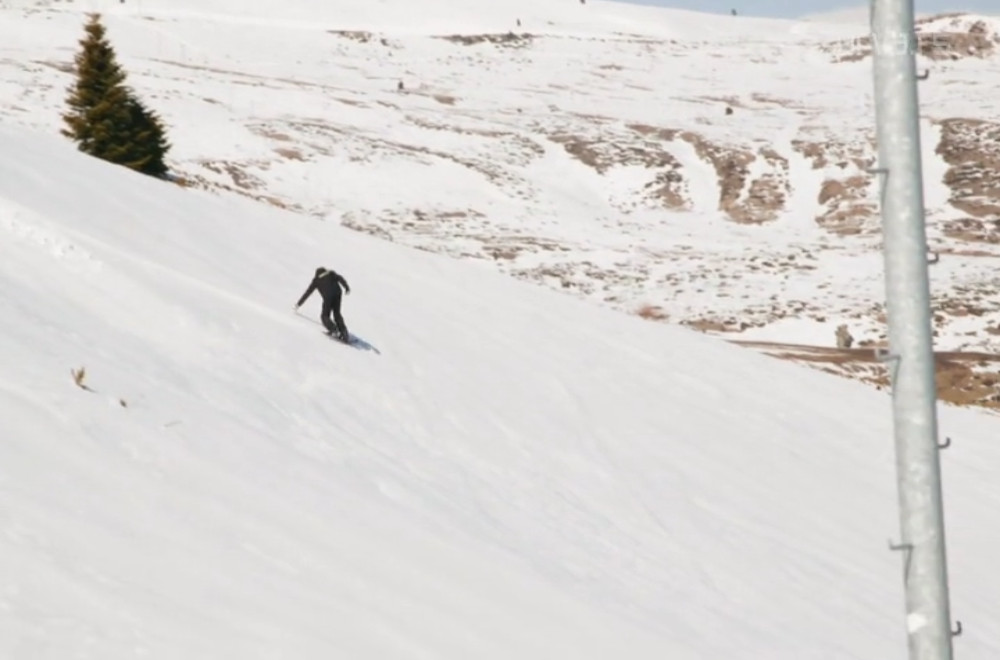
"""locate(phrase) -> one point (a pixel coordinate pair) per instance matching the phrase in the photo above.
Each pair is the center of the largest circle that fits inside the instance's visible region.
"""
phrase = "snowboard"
(350, 341)
(357, 343)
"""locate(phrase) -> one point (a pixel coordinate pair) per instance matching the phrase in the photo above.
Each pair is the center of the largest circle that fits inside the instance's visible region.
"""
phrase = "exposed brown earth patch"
(241, 179)
(815, 152)
(966, 252)
(963, 378)
(766, 99)
(506, 39)
(937, 39)
(970, 300)
(601, 155)
(846, 204)
(241, 182)
(270, 133)
(652, 313)
(769, 192)
(952, 41)
(290, 154)
(743, 198)
(973, 230)
(729, 324)
(658, 132)
(971, 148)
(462, 130)
(731, 168)
(354, 35)
(594, 118)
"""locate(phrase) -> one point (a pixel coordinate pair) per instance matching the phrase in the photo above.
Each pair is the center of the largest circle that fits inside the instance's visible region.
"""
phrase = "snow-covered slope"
(506, 472)
(706, 170)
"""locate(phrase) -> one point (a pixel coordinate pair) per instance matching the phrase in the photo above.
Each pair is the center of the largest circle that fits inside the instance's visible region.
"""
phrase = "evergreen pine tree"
(105, 118)
(148, 142)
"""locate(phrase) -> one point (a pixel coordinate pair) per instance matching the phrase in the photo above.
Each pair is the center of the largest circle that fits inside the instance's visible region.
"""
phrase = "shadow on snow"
(356, 341)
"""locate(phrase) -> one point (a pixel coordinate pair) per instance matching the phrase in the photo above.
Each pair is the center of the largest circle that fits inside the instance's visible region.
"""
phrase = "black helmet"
(320, 271)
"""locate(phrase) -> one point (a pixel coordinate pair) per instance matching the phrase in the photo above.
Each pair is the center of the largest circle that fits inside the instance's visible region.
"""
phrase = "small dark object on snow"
(729, 110)
(328, 283)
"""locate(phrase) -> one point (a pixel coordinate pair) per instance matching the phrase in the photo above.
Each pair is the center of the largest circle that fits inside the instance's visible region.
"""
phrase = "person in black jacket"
(328, 283)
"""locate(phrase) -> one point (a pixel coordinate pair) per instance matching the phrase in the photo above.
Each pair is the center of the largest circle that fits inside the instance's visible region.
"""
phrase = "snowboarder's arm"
(343, 282)
(305, 296)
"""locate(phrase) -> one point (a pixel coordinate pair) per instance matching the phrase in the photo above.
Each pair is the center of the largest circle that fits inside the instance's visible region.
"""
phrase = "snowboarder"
(328, 283)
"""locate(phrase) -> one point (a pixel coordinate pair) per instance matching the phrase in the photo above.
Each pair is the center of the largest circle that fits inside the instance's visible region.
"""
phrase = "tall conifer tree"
(105, 118)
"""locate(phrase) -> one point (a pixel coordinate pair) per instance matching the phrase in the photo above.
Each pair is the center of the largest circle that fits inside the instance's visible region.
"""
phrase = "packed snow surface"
(497, 470)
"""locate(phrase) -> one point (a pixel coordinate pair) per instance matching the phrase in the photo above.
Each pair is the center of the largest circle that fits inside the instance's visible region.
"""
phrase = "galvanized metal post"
(910, 357)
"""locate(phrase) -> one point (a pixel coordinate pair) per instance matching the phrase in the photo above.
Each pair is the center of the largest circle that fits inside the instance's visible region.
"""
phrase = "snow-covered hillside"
(506, 472)
(697, 169)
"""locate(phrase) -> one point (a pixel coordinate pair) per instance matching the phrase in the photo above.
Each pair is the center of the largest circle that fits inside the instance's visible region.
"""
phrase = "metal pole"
(911, 356)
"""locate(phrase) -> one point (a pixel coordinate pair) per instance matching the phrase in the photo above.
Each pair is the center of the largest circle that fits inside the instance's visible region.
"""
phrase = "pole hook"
(925, 75)
(908, 549)
(945, 444)
(885, 356)
(883, 176)
(895, 547)
(957, 630)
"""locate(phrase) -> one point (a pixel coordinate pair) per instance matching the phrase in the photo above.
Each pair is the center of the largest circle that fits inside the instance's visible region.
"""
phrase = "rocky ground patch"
(962, 378)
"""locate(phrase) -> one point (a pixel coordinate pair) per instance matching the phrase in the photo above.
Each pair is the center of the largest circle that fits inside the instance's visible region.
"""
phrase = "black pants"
(332, 305)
